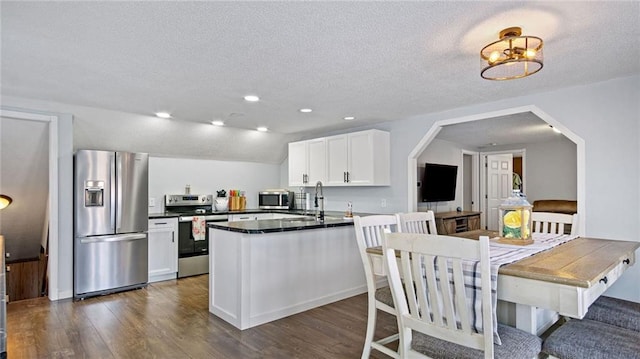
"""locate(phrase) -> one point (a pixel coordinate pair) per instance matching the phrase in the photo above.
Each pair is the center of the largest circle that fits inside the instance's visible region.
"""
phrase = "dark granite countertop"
(332, 219)
(246, 211)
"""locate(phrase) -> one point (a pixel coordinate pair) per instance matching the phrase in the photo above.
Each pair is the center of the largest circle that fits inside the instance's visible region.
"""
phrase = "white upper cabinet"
(353, 159)
(307, 162)
(359, 159)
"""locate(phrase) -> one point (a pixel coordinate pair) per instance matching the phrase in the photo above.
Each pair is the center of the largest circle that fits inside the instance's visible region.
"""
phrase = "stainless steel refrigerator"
(111, 222)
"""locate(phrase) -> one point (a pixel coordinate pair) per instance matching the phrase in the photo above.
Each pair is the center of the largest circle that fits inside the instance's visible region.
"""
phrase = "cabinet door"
(316, 161)
(473, 222)
(297, 163)
(337, 160)
(360, 158)
(163, 249)
(449, 226)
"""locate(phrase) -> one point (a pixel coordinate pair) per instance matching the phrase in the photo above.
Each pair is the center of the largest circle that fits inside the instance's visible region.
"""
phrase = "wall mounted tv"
(439, 182)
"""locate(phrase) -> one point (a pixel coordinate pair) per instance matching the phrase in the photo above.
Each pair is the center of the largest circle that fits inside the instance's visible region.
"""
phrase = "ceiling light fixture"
(163, 114)
(555, 129)
(349, 118)
(512, 57)
(305, 110)
(262, 129)
(217, 123)
(5, 201)
(252, 98)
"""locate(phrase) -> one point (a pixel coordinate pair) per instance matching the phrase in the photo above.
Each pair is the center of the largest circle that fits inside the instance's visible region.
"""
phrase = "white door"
(499, 185)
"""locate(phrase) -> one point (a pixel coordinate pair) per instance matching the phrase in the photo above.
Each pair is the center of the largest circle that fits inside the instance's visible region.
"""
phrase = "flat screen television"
(439, 182)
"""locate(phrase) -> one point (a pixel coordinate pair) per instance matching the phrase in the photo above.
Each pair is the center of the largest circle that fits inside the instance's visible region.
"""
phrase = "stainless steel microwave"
(276, 199)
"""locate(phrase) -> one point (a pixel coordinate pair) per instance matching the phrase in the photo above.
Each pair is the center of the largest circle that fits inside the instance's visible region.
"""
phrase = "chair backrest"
(426, 306)
(547, 222)
(369, 232)
(417, 222)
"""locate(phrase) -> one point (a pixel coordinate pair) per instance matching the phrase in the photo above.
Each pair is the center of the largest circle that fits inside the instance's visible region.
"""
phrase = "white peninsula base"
(255, 278)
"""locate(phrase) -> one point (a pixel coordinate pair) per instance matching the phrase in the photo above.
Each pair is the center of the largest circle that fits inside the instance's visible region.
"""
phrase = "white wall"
(605, 114)
(445, 153)
(100, 129)
(171, 175)
(551, 170)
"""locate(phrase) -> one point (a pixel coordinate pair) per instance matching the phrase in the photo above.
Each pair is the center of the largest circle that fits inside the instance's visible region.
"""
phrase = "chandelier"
(512, 57)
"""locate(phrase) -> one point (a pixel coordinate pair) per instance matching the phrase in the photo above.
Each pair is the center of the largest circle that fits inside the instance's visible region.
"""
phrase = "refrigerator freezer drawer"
(104, 264)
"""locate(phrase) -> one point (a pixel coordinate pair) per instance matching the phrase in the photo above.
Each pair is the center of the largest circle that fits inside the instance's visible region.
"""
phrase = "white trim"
(475, 177)
(437, 126)
(52, 266)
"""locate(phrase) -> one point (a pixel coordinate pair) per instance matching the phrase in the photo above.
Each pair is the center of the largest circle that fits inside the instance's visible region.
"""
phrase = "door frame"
(52, 203)
(475, 178)
(483, 179)
(412, 160)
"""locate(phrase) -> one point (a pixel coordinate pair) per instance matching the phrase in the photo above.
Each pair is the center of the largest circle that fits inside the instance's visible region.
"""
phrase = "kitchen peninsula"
(264, 270)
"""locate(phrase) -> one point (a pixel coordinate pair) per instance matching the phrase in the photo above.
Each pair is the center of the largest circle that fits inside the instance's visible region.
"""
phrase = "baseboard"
(304, 306)
(162, 277)
(65, 294)
(285, 311)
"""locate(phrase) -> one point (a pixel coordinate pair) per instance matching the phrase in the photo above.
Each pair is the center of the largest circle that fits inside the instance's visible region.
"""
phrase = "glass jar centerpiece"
(515, 220)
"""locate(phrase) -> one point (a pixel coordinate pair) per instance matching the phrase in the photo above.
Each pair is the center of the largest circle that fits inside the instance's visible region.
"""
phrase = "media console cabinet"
(455, 222)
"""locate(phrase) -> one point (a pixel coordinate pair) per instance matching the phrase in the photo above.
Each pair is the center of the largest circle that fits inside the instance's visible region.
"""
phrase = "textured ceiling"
(520, 128)
(377, 61)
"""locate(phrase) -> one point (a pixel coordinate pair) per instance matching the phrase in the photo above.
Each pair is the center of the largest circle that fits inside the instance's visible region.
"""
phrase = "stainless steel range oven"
(193, 243)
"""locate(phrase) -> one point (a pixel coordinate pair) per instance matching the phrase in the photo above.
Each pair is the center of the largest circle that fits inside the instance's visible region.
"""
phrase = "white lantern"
(515, 220)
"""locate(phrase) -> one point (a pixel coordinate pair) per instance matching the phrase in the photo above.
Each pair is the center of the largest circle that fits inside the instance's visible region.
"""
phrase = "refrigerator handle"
(114, 211)
(118, 182)
(116, 238)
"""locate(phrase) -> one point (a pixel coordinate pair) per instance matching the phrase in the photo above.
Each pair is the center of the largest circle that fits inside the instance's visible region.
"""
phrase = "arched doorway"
(412, 174)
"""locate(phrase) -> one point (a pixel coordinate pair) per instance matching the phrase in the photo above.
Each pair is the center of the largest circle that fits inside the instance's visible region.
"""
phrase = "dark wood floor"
(171, 320)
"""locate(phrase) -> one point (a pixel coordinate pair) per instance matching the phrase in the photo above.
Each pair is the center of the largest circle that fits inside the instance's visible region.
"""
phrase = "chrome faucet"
(320, 198)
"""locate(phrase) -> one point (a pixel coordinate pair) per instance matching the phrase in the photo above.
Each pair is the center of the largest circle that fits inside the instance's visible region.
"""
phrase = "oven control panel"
(171, 200)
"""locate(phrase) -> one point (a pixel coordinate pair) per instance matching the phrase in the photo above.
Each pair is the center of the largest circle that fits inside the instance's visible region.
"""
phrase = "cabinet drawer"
(606, 281)
(162, 223)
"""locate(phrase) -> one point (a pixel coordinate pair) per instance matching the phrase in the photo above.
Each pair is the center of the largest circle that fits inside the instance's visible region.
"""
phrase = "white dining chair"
(547, 222)
(435, 320)
(369, 232)
(417, 222)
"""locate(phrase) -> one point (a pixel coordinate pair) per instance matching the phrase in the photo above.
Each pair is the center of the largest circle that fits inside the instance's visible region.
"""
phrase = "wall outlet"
(7, 254)
(383, 202)
(152, 202)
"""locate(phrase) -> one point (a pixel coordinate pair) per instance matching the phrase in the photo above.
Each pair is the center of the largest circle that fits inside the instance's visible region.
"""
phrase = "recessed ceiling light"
(252, 98)
(305, 110)
(555, 129)
(262, 129)
(217, 123)
(349, 118)
(163, 114)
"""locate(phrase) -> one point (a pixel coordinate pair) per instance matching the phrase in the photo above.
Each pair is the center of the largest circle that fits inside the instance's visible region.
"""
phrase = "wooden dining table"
(564, 280)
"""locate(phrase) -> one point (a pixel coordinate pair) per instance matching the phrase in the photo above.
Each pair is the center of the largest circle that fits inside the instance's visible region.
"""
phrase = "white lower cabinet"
(163, 249)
